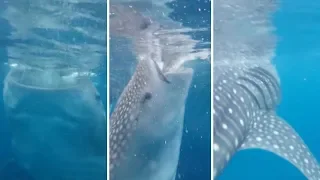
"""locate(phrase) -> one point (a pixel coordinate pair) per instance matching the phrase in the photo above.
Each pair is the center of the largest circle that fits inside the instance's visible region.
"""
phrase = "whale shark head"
(126, 21)
(49, 117)
(146, 124)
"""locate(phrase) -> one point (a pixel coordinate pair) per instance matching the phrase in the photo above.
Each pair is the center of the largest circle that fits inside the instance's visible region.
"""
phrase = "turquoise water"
(42, 38)
(195, 158)
(297, 62)
(195, 151)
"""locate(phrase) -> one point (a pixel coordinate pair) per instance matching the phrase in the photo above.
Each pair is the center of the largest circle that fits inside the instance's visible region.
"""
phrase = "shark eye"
(145, 25)
(147, 96)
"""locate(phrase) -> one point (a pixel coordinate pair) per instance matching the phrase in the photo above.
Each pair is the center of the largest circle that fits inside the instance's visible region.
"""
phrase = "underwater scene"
(160, 82)
(53, 70)
(159, 90)
(274, 41)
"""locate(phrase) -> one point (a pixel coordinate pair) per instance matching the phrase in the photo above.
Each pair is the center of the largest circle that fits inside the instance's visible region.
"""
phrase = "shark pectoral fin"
(271, 133)
(161, 75)
(181, 79)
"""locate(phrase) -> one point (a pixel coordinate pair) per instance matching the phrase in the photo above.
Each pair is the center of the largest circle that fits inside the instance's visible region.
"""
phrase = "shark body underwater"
(146, 124)
(245, 99)
(57, 126)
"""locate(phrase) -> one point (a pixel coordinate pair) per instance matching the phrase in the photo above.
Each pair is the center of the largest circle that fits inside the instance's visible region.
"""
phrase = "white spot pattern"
(293, 149)
(266, 131)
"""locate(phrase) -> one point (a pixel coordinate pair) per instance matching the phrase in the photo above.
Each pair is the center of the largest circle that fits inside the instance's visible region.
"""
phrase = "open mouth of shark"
(47, 79)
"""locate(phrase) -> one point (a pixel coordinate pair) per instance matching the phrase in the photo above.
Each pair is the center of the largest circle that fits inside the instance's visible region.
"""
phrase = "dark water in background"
(197, 123)
(297, 61)
(195, 157)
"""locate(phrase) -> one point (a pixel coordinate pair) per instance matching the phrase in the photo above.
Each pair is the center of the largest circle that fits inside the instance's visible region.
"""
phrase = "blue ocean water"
(13, 171)
(196, 140)
(297, 62)
(297, 24)
(195, 157)
(4, 42)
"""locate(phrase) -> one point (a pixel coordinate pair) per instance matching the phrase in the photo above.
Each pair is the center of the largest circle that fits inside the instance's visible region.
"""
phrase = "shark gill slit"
(266, 86)
(250, 93)
(272, 84)
(257, 87)
(273, 80)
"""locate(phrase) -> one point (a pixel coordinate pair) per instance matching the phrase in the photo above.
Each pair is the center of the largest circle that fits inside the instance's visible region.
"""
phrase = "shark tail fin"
(269, 132)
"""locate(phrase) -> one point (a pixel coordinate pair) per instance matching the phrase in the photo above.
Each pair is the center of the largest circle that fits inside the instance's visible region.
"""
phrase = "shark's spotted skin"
(125, 116)
(146, 124)
(126, 21)
(244, 113)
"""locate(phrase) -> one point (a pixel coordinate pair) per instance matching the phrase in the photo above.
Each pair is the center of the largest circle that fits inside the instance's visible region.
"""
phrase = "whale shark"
(245, 100)
(57, 125)
(146, 124)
